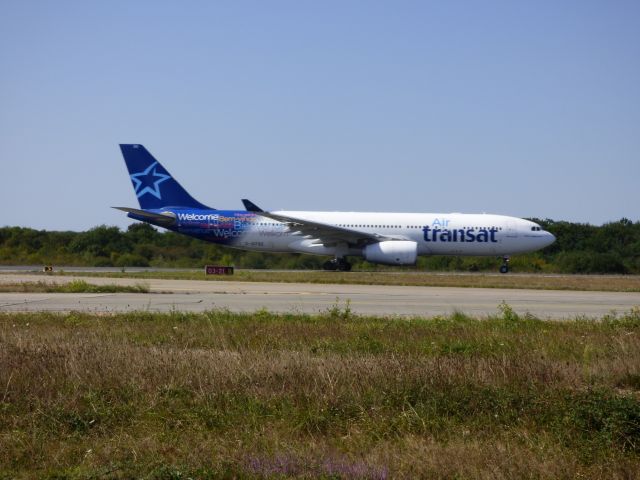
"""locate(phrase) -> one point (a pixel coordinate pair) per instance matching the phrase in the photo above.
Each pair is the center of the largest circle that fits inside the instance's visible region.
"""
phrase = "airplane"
(380, 238)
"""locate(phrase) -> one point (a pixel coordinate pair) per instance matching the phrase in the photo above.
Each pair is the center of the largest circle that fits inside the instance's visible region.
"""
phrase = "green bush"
(580, 248)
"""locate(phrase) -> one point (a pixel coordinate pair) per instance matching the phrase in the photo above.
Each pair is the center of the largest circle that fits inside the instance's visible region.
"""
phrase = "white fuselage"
(434, 233)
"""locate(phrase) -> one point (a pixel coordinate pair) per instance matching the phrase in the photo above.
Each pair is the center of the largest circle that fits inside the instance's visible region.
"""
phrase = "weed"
(508, 314)
(337, 312)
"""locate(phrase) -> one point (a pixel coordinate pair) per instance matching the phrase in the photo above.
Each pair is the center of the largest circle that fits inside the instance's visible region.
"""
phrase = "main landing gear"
(504, 268)
(339, 264)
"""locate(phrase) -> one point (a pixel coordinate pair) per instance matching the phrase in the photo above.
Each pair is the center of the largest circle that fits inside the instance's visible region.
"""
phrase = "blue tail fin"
(154, 186)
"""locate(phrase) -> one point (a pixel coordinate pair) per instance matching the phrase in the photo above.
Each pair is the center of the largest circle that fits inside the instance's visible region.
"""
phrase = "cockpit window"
(536, 229)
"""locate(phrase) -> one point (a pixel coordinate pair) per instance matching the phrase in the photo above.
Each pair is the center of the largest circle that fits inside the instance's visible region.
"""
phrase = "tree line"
(580, 248)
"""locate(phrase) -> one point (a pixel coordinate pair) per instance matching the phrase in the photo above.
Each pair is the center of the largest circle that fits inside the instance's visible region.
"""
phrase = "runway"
(198, 296)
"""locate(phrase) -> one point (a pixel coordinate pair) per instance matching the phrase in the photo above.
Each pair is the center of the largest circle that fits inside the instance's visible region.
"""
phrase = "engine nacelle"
(400, 252)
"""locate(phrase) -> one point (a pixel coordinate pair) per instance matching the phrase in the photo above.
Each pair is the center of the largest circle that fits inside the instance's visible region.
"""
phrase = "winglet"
(251, 207)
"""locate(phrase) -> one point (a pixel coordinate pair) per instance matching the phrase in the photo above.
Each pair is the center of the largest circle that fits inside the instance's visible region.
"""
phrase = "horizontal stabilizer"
(166, 219)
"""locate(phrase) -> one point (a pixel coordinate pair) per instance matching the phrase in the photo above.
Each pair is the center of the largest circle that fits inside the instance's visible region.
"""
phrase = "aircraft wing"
(324, 233)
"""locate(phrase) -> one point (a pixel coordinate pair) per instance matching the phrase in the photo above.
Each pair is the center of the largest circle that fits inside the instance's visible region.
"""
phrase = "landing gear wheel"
(344, 266)
(330, 265)
(504, 268)
(339, 264)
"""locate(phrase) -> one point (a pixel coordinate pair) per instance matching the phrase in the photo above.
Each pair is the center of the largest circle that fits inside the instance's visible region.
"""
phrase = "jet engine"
(398, 252)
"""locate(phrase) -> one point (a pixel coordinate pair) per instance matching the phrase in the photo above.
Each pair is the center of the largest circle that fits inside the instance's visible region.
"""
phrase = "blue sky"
(518, 108)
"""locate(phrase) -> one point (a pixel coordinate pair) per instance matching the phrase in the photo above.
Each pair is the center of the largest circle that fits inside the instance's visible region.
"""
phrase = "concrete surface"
(195, 296)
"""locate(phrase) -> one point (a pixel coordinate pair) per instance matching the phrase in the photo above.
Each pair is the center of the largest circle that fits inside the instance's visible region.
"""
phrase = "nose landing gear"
(339, 264)
(504, 268)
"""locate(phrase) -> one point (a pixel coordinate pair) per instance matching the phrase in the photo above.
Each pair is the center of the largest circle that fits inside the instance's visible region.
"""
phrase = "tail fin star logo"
(148, 181)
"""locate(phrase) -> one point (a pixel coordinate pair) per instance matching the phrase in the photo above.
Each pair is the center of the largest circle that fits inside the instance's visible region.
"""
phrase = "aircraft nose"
(550, 238)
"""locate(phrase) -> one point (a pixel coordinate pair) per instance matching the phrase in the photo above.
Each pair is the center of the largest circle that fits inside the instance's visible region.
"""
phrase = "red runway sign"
(217, 270)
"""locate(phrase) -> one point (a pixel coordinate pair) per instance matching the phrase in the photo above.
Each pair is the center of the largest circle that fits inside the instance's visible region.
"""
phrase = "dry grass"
(334, 396)
(606, 283)
(75, 286)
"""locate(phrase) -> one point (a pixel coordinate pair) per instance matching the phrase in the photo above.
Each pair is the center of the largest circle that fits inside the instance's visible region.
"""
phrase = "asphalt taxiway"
(197, 296)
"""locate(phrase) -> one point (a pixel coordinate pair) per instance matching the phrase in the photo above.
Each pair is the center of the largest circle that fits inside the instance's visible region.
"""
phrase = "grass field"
(629, 283)
(223, 395)
(75, 286)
